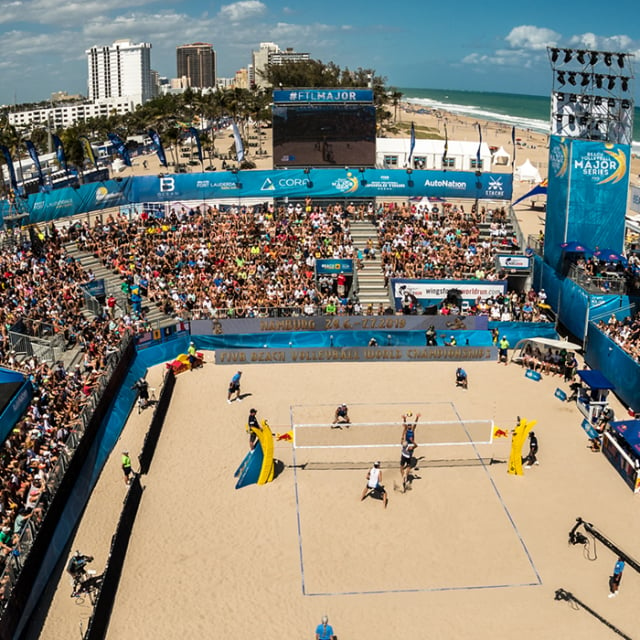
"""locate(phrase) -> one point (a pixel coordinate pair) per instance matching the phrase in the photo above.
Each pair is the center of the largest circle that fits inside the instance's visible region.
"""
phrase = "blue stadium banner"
(120, 147)
(33, 153)
(60, 155)
(586, 196)
(326, 266)
(193, 132)
(335, 95)
(238, 140)
(340, 184)
(327, 183)
(155, 138)
(12, 173)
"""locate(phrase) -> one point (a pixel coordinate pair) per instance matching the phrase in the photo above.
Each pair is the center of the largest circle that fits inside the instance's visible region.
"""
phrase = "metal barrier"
(599, 283)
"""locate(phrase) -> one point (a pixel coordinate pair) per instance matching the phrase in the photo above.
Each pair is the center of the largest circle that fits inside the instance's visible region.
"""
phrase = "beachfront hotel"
(197, 63)
(121, 69)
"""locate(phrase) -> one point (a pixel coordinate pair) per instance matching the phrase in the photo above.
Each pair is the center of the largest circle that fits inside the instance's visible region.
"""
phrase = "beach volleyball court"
(462, 517)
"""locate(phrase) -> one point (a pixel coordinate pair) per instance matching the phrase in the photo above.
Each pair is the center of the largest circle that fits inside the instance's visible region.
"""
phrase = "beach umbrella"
(575, 247)
(609, 255)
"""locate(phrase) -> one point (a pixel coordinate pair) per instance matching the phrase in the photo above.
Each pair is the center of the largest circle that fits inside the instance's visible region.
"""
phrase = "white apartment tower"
(120, 70)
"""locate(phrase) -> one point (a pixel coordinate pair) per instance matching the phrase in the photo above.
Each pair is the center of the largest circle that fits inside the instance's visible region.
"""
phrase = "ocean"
(522, 111)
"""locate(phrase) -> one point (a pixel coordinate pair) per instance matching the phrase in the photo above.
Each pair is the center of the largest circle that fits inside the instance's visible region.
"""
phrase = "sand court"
(459, 515)
(469, 551)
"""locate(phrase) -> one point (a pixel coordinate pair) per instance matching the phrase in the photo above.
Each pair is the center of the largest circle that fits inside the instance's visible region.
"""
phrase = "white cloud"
(55, 12)
(243, 10)
(532, 38)
(602, 43)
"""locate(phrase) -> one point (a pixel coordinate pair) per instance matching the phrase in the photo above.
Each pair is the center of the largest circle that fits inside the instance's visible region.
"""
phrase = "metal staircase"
(371, 287)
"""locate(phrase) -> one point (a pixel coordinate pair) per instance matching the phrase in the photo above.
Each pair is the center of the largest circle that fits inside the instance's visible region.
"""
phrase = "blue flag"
(12, 173)
(33, 152)
(194, 132)
(446, 147)
(412, 145)
(120, 147)
(239, 145)
(478, 166)
(57, 143)
(157, 142)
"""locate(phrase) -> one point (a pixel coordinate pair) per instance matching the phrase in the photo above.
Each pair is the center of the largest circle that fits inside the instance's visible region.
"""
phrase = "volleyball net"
(440, 443)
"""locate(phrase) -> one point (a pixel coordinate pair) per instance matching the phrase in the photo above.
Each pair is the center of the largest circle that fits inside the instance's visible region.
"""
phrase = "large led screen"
(324, 135)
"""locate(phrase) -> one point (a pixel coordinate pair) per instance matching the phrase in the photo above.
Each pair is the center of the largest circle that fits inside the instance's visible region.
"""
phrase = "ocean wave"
(471, 111)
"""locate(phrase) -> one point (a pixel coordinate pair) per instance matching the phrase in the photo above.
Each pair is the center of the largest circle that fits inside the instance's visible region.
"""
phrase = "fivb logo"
(167, 183)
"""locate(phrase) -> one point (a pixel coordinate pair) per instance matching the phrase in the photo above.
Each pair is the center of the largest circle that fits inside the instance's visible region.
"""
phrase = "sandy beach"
(469, 552)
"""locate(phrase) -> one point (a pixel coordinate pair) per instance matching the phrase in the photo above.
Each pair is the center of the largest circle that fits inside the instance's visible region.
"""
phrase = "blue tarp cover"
(595, 379)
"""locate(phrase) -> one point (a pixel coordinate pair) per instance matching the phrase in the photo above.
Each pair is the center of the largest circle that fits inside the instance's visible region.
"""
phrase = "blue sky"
(463, 45)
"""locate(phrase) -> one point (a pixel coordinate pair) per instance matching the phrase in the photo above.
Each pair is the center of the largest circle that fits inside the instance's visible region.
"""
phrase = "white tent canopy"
(501, 157)
(526, 172)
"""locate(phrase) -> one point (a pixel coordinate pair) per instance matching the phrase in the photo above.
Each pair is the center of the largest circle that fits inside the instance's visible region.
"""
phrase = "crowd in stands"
(442, 243)
(529, 306)
(199, 261)
(39, 296)
(625, 333)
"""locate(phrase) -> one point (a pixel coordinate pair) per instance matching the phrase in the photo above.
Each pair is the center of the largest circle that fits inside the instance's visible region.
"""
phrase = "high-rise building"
(120, 70)
(270, 53)
(197, 63)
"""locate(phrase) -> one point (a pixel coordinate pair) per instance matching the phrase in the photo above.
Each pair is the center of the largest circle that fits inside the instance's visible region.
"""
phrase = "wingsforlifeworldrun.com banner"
(265, 185)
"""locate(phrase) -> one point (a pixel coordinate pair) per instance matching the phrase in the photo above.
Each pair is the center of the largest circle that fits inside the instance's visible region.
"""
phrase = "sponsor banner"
(587, 195)
(634, 202)
(267, 185)
(336, 323)
(95, 288)
(333, 266)
(355, 354)
(327, 183)
(432, 291)
(164, 334)
(335, 95)
(515, 263)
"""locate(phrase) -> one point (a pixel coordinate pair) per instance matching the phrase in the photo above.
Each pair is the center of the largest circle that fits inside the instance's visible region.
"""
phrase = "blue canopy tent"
(593, 396)
(16, 392)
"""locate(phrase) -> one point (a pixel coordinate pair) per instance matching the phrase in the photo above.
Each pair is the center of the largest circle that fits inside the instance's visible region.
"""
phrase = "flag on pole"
(33, 152)
(478, 165)
(239, 145)
(513, 142)
(155, 138)
(121, 148)
(88, 151)
(193, 132)
(446, 147)
(412, 144)
(57, 143)
(12, 172)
